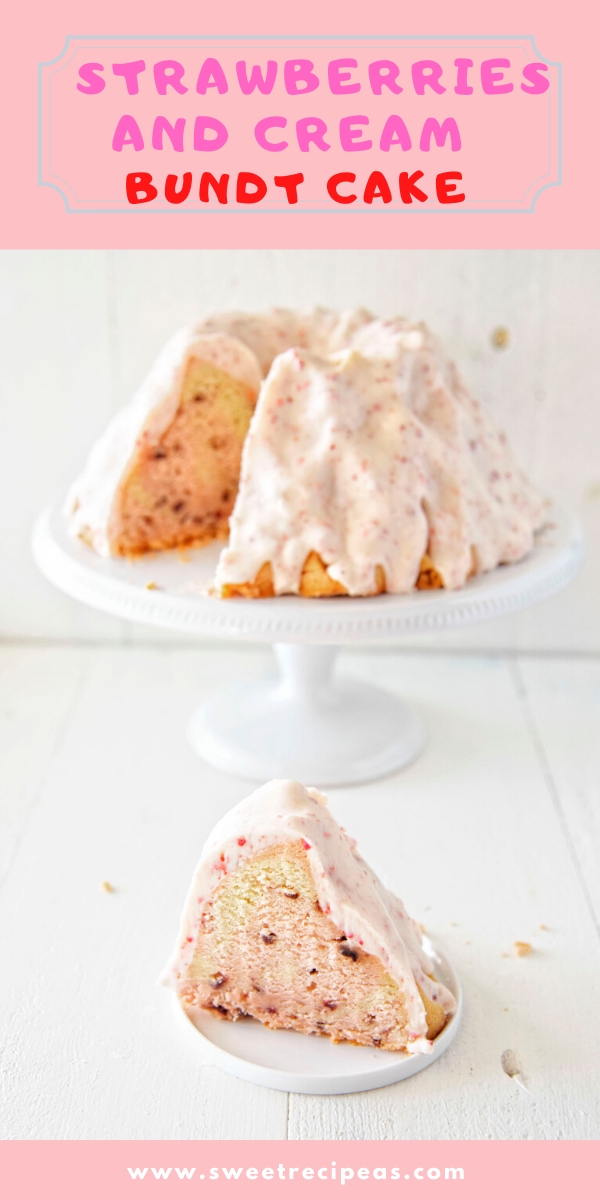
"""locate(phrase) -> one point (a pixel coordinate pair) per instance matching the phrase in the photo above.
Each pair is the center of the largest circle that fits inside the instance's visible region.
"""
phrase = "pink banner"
(470, 1170)
(438, 136)
(308, 124)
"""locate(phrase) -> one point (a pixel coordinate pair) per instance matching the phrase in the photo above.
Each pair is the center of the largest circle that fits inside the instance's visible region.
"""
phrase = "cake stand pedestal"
(307, 724)
(304, 723)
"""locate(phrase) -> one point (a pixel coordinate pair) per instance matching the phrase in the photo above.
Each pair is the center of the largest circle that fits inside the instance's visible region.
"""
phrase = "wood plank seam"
(553, 790)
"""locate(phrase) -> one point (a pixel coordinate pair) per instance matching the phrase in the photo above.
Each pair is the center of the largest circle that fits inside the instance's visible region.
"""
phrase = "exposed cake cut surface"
(165, 471)
(179, 488)
(286, 923)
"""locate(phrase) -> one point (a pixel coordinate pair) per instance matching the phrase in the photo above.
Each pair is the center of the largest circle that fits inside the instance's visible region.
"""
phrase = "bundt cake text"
(249, 188)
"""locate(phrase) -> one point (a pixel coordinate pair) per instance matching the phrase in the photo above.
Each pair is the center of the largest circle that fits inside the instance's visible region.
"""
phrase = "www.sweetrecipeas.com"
(339, 1174)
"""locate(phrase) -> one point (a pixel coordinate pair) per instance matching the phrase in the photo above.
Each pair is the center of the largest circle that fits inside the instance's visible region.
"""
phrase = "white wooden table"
(492, 837)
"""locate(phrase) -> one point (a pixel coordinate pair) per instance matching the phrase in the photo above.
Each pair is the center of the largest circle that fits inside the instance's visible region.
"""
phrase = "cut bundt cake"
(286, 923)
(165, 472)
(373, 470)
(367, 466)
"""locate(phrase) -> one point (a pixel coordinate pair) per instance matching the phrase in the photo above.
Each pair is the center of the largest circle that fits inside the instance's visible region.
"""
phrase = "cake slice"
(165, 472)
(286, 923)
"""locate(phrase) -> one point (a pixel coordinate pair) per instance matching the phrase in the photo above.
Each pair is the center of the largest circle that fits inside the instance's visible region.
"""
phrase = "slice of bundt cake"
(286, 923)
(165, 472)
(373, 470)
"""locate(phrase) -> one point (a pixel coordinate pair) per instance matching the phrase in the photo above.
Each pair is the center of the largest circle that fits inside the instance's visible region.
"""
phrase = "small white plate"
(314, 1066)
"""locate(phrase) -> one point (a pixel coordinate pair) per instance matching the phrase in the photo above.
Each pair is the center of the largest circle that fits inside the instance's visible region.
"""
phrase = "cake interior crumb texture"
(266, 949)
(180, 490)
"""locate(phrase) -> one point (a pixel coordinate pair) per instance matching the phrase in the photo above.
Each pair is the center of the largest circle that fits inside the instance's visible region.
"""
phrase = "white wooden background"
(79, 328)
(491, 837)
(502, 813)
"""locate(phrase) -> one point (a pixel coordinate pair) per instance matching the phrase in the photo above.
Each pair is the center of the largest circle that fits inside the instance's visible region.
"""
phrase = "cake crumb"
(523, 949)
(545, 927)
(108, 887)
(500, 337)
(509, 1061)
(152, 586)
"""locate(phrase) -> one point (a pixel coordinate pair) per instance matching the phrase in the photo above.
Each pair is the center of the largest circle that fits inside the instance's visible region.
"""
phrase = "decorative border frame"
(305, 37)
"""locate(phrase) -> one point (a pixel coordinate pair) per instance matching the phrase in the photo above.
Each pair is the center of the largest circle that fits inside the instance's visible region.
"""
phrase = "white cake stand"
(303, 722)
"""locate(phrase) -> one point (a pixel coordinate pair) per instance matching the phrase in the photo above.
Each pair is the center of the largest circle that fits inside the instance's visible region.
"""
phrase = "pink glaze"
(320, 330)
(373, 457)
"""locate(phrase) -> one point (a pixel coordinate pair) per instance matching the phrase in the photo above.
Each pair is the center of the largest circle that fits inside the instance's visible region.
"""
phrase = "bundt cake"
(367, 465)
(286, 923)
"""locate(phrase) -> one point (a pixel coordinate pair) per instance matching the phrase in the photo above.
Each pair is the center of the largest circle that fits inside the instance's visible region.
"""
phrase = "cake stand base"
(306, 724)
